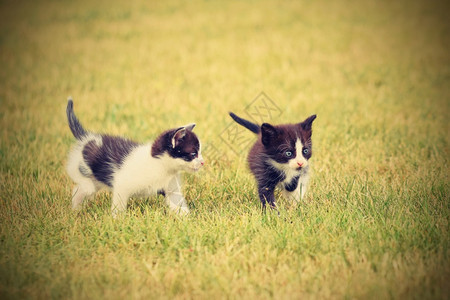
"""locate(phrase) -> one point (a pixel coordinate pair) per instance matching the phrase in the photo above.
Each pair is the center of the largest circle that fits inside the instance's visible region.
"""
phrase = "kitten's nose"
(299, 164)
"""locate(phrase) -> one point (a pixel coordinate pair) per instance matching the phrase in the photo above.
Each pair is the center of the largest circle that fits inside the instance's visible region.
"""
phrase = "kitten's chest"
(147, 183)
(282, 170)
(154, 179)
(290, 175)
(141, 172)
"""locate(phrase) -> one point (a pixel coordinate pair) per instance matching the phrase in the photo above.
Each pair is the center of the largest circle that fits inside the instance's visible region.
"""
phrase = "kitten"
(127, 168)
(280, 158)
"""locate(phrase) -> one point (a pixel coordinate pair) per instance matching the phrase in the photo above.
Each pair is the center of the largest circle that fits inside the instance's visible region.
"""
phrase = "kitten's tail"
(247, 124)
(75, 126)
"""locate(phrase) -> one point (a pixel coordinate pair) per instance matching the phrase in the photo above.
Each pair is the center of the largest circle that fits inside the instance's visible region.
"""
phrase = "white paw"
(183, 211)
(180, 210)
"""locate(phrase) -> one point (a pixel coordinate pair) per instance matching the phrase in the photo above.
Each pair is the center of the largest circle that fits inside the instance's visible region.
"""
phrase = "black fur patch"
(186, 147)
(291, 186)
(84, 171)
(267, 182)
(104, 159)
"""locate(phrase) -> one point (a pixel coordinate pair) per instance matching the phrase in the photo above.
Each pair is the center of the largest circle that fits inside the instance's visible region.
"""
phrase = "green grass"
(375, 224)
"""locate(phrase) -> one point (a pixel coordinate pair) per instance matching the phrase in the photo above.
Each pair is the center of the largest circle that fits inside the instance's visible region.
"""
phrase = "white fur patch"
(290, 170)
(299, 160)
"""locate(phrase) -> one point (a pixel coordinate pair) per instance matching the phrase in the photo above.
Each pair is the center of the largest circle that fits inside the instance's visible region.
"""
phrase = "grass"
(375, 223)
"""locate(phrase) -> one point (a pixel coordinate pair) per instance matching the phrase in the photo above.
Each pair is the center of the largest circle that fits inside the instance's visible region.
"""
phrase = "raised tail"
(75, 126)
(247, 124)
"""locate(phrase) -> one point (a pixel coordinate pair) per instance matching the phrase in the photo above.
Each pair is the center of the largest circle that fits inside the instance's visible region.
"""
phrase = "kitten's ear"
(180, 133)
(268, 133)
(190, 127)
(178, 136)
(307, 124)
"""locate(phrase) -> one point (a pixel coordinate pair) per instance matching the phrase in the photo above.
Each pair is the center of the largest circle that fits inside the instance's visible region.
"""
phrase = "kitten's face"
(187, 151)
(183, 146)
(289, 146)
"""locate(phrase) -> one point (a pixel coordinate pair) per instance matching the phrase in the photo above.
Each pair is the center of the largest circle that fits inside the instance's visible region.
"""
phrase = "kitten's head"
(182, 145)
(289, 146)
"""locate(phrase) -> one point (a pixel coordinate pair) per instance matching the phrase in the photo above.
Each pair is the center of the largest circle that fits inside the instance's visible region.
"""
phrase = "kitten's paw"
(181, 210)
(177, 204)
(116, 213)
(76, 208)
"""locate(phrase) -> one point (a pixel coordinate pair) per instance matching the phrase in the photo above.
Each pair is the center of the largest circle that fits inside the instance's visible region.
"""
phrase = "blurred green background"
(375, 72)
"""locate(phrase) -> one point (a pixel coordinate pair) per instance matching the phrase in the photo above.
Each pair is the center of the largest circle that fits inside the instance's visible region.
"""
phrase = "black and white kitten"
(280, 158)
(128, 168)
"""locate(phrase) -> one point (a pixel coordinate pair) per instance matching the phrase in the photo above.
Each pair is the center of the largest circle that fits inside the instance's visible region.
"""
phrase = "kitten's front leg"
(174, 196)
(296, 190)
(292, 190)
(119, 202)
(303, 185)
(266, 195)
(296, 195)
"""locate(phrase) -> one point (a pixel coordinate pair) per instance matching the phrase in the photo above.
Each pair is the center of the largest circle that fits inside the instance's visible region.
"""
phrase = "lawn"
(375, 222)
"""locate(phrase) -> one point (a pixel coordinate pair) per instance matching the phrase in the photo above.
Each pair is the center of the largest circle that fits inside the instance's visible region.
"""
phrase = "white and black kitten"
(128, 168)
(280, 158)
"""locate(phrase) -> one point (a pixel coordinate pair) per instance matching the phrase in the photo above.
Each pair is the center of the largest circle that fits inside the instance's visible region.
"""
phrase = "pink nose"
(299, 164)
(202, 163)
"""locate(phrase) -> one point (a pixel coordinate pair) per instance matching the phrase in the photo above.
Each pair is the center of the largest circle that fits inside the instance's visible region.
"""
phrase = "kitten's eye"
(194, 154)
(305, 151)
(288, 153)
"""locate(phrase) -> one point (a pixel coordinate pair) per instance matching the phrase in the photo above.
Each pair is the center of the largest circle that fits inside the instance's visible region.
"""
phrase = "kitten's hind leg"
(174, 196)
(80, 192)
(77, 197)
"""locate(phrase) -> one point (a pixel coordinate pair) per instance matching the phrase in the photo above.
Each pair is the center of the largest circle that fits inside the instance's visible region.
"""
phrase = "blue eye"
(288, 153)
(194, 154)
(305, 151)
